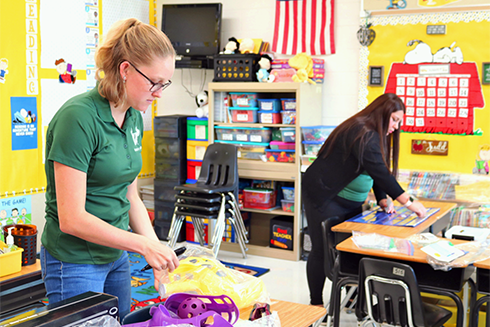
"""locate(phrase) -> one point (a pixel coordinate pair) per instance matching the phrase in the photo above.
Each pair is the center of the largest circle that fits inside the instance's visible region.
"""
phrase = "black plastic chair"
(331, 267)
(389, 294)
(218, 184)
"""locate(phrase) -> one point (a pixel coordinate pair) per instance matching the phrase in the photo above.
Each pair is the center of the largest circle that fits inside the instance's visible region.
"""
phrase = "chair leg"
(198, 230)
(220, 227)
(240, 229)
(175, 227)
(237, 210)
(238, 234)
(475, 311)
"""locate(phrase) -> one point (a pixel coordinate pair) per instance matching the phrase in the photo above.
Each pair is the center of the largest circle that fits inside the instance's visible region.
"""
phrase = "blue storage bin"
(288, 193)
(270, 104)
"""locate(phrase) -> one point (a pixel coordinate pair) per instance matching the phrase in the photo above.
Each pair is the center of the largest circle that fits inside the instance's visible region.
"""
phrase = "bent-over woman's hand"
(161, 258)
(387, 206)
(418, 208)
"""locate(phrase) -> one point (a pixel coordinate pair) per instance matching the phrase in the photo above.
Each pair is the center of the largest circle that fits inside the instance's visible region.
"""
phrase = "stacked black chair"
(331, 267)
(212, 197)
(389, 294)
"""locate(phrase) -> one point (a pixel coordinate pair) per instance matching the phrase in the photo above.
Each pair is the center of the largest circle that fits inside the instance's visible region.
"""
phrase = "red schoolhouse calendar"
(403, 217)
(439, 97)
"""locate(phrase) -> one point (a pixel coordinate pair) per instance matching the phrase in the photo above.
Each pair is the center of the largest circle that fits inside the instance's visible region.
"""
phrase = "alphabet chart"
(438, 97)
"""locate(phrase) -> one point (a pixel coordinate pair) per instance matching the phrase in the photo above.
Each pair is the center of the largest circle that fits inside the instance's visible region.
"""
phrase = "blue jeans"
(64, 280)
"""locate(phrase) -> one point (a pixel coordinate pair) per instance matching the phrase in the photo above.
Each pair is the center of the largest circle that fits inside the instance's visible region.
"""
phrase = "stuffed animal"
(247, 46)
(264, 68)
(202, 104)
(304, 68)
(232, 46)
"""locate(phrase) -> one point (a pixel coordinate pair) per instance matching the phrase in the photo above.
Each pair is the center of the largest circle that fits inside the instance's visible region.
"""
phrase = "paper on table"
(444, 251)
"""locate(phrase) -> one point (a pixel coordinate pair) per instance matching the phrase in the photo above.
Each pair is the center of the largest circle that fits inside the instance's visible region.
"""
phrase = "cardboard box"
(72, 312)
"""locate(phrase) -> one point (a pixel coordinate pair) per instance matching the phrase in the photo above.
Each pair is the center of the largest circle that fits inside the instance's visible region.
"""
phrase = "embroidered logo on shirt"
(136, 134)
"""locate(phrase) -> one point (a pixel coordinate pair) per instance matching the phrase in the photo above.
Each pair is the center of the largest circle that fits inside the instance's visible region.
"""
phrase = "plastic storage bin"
(244, 99)
(288, 117)
(307, 160)
(236, 67)
(166, 147)
(259, 198)
(197, 128)
(163, 190)
(244, 134)
(196, 149)
(170, 126)
(288, 193)
(312, 147)
(242, 115)
(316, 133)
(171, 170)
(11, 262)
(279, 145)
(280, 155)
(287, 205)
(269, 104)
(269, 117)
(288, 134)
(193, 169)
(288, 104)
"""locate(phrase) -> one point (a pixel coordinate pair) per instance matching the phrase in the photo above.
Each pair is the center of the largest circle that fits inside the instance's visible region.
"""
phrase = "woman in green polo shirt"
(93, 158)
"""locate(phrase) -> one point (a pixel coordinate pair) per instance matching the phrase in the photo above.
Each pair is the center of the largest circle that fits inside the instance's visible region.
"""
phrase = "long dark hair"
(375, 117)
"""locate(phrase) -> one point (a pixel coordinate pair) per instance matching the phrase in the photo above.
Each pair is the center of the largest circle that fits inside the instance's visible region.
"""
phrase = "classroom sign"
(24, 123)
(15, 210)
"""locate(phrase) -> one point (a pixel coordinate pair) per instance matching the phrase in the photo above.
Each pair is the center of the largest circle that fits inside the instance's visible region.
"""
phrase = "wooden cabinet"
(308, 113)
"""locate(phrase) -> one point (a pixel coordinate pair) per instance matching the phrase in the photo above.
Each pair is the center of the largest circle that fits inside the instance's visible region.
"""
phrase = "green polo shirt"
(83, 135)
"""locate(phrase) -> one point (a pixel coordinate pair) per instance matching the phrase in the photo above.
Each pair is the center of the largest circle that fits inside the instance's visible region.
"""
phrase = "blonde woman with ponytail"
(93, 158)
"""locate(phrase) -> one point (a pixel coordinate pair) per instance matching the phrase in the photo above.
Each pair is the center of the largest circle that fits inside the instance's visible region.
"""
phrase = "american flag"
(304, 26)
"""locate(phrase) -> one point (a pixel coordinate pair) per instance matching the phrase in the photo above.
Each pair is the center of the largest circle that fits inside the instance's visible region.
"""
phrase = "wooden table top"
(291, 314)
(485, 264)
(25, 271)
(418, 256)
(396, 231)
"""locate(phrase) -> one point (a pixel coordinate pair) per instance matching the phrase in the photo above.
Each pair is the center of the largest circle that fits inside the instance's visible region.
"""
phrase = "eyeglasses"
(155, 87)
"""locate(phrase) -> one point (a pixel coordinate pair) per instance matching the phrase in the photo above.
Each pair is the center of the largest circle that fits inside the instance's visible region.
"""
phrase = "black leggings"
(340, 207)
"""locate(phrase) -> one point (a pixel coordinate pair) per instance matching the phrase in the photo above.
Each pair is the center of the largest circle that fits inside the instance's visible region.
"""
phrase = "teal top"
(358, 189)
(83, 135)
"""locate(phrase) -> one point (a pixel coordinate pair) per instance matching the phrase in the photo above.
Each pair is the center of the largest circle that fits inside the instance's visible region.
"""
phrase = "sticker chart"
(403, 217)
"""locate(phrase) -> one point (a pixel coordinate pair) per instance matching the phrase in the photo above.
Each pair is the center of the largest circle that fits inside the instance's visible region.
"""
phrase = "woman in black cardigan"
(361, 154)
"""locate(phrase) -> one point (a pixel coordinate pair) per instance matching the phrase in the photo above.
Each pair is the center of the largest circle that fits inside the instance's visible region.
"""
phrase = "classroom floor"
(286, 280)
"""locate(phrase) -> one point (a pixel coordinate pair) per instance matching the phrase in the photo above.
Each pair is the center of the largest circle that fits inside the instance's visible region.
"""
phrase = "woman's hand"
(387, 206)
(162, 259)
(418, 208)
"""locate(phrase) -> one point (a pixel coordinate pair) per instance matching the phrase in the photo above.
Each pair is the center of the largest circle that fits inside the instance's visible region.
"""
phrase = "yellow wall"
(471, 31)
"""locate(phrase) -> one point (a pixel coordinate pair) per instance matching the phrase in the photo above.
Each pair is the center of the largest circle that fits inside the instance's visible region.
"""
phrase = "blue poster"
(24, 123)
(16, 210)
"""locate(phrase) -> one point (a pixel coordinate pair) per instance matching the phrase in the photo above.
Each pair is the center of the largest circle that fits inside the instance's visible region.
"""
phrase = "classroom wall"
(255, 19)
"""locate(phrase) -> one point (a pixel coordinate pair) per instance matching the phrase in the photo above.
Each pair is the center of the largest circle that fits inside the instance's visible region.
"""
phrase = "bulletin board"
(46, 57)
(414, 5)
(439, 77)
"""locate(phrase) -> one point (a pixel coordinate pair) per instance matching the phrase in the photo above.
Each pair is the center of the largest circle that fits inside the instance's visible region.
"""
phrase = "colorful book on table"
(403, 217)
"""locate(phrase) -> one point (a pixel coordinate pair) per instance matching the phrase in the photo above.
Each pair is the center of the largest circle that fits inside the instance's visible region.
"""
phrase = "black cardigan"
(326, 177)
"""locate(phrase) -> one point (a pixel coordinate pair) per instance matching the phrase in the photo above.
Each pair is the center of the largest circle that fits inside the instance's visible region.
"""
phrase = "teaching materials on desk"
(444, 251)
(402, 217)
(381, 242)
(468, 233)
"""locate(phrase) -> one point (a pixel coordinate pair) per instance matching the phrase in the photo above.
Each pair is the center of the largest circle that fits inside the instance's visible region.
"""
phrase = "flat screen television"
(195, 32)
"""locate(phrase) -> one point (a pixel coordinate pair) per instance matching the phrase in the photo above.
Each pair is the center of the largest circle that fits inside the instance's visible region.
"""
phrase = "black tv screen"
(193, 29)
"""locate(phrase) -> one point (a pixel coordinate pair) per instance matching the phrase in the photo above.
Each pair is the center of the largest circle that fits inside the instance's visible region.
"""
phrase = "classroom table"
(431, 281)
(292, 314)
(22, 288)
(434, 224)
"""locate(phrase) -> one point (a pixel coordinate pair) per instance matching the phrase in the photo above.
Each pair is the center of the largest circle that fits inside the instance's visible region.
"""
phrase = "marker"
(178, 252)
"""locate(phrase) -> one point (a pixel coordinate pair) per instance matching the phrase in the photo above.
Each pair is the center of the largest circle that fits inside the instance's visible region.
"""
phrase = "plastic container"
(249, 150)
(196, 149)
(166, 147)
(242, 115)
(316, 133)
(259, 198)
(280, 155)
(163, 190)
(244, 99)
(269, 117)
(170, 126)
(307, 160)
(279, 145)
(312, 147)
(288, 134)
(288, 117)
(197, 128)
(171, 170)
(25, 237)
(287, 205)
(243, 134)
(193, 169)
(288, 193)
(288, 104)
(269, 104)
(10, 263)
